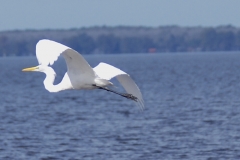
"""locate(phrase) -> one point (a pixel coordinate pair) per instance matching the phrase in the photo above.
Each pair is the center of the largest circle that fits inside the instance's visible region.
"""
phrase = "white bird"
(80, 75)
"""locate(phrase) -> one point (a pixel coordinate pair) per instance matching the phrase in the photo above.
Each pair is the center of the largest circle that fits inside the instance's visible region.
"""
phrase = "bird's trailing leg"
(126, 95)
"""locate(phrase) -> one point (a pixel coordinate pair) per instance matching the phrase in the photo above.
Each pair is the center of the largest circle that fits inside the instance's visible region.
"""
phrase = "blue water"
(192, 111)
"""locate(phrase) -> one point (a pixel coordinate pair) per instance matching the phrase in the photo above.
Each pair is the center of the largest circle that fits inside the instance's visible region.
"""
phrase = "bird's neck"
(48, 81)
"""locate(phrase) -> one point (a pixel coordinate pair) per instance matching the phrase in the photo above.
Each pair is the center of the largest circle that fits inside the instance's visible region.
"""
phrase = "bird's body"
(80, 75)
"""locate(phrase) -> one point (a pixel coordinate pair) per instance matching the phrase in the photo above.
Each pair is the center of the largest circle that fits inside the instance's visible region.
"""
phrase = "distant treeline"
(122, 39)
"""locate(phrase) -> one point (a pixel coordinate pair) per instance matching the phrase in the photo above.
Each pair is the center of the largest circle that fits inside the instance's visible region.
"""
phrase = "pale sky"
(63, 14)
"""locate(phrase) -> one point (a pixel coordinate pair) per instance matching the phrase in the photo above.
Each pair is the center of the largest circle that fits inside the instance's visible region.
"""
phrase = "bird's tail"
(103, 82)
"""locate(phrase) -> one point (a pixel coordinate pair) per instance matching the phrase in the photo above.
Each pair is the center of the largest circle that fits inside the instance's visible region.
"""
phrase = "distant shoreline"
(125, 39)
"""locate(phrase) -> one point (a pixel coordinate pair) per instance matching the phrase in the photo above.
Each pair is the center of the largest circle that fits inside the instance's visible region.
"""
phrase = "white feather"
(108, 72)
(48, 51)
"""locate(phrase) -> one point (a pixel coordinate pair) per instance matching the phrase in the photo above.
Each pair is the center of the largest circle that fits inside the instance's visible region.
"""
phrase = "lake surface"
(192, 111)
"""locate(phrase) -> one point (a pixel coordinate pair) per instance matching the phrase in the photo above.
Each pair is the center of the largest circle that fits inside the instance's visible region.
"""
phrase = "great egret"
(80, 75)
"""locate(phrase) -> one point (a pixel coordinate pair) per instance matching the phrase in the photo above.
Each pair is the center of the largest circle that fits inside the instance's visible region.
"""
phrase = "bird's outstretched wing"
(48, 51)
(108, 72)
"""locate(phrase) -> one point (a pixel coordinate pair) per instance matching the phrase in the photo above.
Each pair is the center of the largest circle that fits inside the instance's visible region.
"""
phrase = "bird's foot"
(130, 96)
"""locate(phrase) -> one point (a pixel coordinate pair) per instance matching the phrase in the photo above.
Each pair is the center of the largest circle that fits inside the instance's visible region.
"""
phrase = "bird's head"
(39, 68)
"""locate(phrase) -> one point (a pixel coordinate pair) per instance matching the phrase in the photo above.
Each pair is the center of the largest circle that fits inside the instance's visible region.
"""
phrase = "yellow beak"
(29, 69)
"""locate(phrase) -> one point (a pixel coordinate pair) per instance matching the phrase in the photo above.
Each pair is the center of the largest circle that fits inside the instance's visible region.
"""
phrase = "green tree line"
(117, 40)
